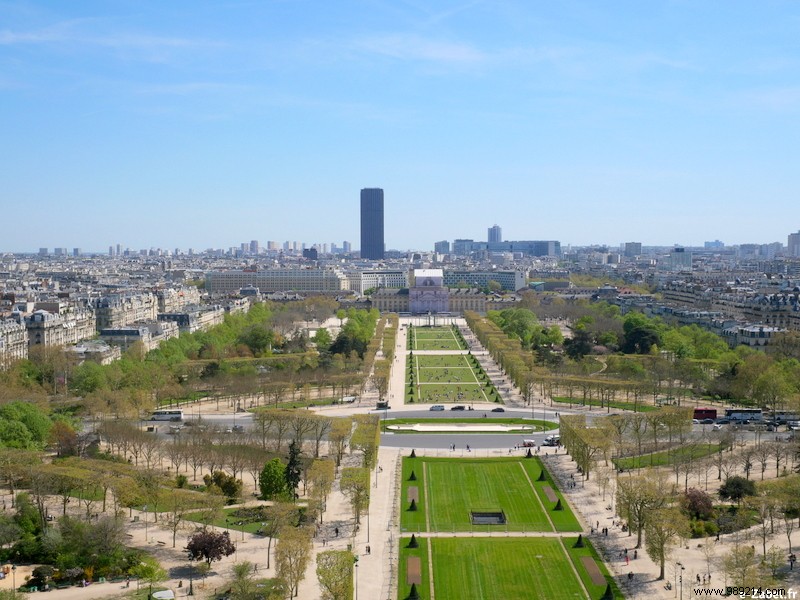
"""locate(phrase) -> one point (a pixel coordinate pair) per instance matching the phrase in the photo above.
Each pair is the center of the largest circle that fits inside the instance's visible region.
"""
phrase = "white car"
(437, 407)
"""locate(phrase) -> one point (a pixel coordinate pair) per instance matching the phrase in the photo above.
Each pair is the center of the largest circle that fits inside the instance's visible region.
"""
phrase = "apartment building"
(276, 280)
(175, 299)
(13, 341)
(121, 310)
(197, 318)
(149, 334)
(53, 329)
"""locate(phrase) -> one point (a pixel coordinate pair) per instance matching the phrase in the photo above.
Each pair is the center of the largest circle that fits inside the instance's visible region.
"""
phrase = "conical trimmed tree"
(608, 595)
(413, 454)
(413, 543)
(413, 507)
(414, 594)
(529, 454)
(558, 505)
(413, 476)
(579, 543)
(541, 474)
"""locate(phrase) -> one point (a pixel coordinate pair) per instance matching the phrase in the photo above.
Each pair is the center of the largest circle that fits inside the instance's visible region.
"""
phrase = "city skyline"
(188, 125)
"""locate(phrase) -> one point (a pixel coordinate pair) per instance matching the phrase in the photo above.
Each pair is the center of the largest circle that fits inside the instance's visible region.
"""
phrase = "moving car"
(437, 407)
(458, 407)
(498, 409)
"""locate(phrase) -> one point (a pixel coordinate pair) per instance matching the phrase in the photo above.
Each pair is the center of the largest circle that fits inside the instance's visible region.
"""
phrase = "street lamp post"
(14, 577)
(191, 577)
(355, 567)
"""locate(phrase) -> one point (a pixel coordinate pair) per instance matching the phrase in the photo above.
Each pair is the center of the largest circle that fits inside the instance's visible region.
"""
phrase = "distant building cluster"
(97, 305)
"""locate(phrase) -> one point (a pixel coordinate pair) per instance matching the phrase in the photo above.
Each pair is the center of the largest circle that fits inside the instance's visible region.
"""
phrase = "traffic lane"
(477, 441)
(466, 414)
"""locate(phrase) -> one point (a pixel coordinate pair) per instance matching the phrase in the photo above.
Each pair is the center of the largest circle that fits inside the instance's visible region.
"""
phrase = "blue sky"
(206, 124)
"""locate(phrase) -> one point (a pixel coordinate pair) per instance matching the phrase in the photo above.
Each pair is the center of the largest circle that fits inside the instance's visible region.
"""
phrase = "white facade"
(13, 342)
(277, 280)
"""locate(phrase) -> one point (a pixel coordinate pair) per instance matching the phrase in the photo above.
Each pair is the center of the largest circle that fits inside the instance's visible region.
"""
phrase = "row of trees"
(652, 507)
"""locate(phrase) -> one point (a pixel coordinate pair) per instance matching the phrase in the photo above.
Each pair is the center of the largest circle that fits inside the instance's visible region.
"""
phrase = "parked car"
(498, 409)
(437, 407)
(458, 407)
(707, 421)
(723, 421)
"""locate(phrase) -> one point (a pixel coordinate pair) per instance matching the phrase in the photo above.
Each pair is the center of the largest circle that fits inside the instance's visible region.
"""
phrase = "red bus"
(705, 413)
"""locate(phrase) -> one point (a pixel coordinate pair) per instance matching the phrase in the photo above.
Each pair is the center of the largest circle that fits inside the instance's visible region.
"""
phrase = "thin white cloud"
(190, 87)
(75, 32)
(418, 48)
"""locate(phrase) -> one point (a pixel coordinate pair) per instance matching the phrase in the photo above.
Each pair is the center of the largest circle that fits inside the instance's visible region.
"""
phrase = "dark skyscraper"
(372, 223)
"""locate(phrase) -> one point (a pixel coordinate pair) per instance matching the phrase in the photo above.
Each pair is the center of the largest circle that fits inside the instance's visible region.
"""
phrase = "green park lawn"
(458, 393)
(614, 405)
(450, 489)
(434, 338)
(447, 378)
(229, 520)
(667, 457)
(502, 568)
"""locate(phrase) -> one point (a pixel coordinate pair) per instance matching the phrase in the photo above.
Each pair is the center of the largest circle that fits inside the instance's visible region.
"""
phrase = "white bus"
(168, 414)
(744, 414)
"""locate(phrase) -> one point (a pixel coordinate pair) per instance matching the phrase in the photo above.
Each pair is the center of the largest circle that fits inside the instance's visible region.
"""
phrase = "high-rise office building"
(442, 247)
(793, 244)
(633, 249)
(495, 234)
(347, 247)
(372, 223)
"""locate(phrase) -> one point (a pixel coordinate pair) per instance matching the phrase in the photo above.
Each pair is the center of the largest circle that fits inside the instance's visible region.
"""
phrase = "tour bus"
(744, 414)
(705, 413)
(168, 414)
(782, 417)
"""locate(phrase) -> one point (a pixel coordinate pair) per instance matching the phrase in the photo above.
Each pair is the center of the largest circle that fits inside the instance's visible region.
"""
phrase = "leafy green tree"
(272, 481)
(277, 516)
(23, 425)
(736, 487)
(149, 571)
(663, 529)
(335, 574)
(579, 345)
(323, 339)
(354, 484)
(641, 334)
(292, 553)
(293, 471)
(230, 487)
(243, 587)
